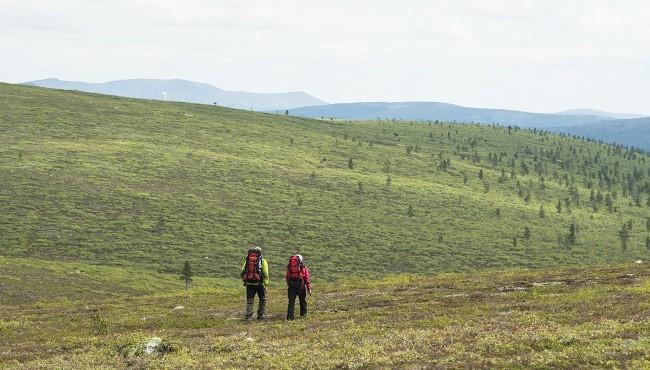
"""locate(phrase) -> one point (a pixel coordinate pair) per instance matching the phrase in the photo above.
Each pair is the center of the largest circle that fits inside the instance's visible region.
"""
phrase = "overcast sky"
(542, 55)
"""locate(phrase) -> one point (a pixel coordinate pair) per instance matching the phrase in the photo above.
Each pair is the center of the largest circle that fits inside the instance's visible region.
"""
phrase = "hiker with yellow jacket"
(255, 275)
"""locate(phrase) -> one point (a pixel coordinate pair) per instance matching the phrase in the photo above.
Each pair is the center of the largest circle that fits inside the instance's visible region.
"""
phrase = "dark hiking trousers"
(251, 290)
(302, 296)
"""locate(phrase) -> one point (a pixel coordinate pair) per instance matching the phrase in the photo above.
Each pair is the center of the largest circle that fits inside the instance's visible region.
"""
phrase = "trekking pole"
(312, 302)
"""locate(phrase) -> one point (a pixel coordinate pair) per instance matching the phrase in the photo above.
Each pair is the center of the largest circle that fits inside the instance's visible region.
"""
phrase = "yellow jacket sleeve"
(265, 272)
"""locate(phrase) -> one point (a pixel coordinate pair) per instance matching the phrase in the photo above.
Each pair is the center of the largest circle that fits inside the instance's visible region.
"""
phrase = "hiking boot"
(261, 310)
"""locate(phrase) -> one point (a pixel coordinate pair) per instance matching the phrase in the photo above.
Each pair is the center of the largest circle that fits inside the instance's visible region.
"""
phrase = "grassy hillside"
(145, 184)
(25, 281)
(567, 318)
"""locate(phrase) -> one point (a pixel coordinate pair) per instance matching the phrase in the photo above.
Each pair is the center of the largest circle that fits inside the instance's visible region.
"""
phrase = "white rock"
(638, 262)
(151, 345)
(177, 308)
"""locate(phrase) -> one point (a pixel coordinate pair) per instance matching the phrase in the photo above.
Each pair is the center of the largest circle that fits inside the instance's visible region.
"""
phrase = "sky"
(541, 55)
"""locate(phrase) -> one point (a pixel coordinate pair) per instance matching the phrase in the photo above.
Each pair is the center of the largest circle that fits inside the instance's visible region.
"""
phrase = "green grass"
(24, 281)
(555, 318)
(102, 199)
(147, 184)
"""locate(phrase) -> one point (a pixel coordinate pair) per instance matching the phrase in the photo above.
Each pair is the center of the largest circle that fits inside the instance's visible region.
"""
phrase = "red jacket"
(304, 274)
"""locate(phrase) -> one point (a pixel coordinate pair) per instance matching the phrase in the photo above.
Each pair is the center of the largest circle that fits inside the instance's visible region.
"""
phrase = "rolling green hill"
(144, 184)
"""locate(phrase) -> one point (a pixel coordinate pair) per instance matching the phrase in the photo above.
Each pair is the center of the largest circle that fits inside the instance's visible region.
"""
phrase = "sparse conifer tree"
(572, 237)
(542, 212)
(526, 233)
(410, 211)
(350, 163)
(624, 236)
(186, 274)
(609, 202)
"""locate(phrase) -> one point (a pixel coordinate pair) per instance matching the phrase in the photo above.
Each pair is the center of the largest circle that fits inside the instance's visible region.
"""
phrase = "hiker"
(298, 284)
(255, 275)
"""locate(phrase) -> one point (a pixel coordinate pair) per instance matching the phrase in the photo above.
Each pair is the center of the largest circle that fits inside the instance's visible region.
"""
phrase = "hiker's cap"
(299, 257)
(258, 249)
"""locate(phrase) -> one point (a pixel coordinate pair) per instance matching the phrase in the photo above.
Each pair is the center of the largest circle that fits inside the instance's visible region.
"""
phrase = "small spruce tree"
(572, 237)
(187, 274)
(410, 211)
(624, 236)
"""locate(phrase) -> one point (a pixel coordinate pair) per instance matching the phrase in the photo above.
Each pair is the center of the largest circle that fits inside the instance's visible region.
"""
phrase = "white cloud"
(524, 54)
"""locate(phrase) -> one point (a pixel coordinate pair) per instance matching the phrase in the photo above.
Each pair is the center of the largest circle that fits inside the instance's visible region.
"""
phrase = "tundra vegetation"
(587, 317)
(419, 235)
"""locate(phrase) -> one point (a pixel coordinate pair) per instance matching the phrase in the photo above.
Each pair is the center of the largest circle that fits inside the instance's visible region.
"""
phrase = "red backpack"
(253, 267)
(293, 268)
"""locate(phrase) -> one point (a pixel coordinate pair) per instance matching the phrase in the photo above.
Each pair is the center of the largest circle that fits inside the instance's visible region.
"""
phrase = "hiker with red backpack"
(298, 285)
(255, 275)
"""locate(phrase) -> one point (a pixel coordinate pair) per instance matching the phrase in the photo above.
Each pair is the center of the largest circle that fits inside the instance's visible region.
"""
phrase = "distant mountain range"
(595, 112)
(186, 91)
(622, 128)
(443, 112)
(595, 124)
(633, 132)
